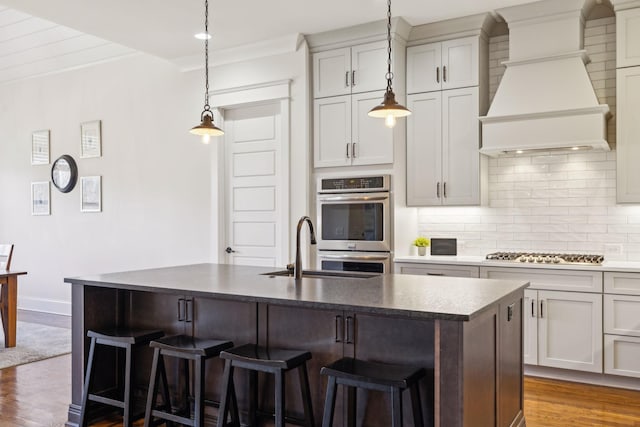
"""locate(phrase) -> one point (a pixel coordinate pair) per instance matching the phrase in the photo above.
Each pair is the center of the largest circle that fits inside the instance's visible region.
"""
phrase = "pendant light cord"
(389, 75)
(206, 57)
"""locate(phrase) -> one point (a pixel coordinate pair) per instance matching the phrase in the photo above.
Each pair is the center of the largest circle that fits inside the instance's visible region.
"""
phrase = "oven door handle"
(351, 198)
(355, 257)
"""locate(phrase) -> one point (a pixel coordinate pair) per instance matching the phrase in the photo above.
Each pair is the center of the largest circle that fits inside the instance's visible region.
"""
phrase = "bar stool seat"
(274, 361)
(186, 348)
(122, 396)
(356, 373)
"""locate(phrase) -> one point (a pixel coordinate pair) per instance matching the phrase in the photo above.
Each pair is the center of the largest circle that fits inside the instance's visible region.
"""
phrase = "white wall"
(155, 175)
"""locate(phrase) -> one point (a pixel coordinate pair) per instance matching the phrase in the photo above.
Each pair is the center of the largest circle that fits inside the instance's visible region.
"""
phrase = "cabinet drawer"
(438, 270)
(622, 315)
(622, 283)
(560, 280)
(622, 355)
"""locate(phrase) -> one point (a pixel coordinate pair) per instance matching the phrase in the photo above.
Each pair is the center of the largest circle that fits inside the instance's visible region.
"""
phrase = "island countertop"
(430, 297)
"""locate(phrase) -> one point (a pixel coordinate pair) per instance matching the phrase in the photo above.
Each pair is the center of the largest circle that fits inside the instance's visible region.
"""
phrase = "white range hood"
(545, 100)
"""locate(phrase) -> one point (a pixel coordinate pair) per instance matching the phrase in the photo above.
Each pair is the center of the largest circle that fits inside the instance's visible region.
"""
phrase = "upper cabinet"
(349, 70)
(449, 64)
(628, 37)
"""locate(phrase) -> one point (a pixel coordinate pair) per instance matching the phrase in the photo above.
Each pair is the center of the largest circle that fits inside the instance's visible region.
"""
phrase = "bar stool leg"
(306, 395)
(253, 398)
(279, 398)
(153, 387)
(87, 384)
(128, 398)
(235, 415)
(329, 403)
(396, 407)
(418, 420)
(198, 381)
(352, 406)
(187, 386)
(227, 389)
(166, 398)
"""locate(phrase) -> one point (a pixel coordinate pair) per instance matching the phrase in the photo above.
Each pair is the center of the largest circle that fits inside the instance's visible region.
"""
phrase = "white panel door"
(255, 193)
(423, 68)
(530, 319)
(460, 63)
(372, 140)
(628, 134)
(628, 38)
(332, 131)
(424, 149)
(368, 66)
(332, 73)
(622, 355)
(460, 147)
(570, 330)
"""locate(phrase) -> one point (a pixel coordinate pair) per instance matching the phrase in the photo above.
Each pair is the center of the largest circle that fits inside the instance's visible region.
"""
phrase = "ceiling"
(36, 35)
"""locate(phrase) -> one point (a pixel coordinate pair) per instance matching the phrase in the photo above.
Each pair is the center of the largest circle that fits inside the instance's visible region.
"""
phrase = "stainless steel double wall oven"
(354, 224)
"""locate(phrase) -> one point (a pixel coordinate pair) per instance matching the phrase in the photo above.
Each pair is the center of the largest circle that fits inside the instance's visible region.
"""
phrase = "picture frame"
(91, 194)
(40, 198)
(40, 147)
(91, 139)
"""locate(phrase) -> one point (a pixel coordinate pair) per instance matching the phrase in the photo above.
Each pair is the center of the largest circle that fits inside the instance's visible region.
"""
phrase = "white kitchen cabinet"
(621, 283)
(561, 329)
(622, 315)
(443, 138)
(450, 64)
(622, 355)
(345, 135)
(437, 269)
(349, 70)
(628, 134)
(628, 38)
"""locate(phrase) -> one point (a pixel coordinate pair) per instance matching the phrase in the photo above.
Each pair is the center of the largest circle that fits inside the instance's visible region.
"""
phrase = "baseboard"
(45, 305)
(583, 377)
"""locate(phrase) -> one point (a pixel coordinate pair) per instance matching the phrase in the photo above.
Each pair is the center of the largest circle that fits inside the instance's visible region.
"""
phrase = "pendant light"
(206, 128)
(389, 110)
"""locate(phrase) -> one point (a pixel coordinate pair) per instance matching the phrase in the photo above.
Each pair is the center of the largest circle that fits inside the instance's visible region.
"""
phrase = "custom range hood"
(545, 100)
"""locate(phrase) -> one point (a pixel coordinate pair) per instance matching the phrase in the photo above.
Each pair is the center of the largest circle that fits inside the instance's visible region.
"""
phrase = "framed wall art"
(90, 139)
(40, 147)
(91, 194)
(40, 198)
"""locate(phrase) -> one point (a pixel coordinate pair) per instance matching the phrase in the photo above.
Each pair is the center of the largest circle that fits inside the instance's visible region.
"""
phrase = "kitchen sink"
(320, 274)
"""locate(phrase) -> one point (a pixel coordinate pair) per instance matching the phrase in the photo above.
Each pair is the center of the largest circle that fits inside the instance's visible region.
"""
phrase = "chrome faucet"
(297, 268)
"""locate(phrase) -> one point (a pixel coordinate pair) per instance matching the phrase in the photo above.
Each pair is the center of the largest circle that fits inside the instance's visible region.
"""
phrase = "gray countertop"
(433, 297)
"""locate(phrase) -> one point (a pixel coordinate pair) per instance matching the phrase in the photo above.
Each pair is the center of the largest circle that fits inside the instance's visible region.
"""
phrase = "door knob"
(229, 250)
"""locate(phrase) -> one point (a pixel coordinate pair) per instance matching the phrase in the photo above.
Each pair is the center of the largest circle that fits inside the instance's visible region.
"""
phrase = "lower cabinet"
(437, 269)
(622, 334)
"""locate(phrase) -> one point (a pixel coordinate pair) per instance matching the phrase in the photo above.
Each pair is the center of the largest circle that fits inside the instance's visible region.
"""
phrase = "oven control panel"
(354, 184)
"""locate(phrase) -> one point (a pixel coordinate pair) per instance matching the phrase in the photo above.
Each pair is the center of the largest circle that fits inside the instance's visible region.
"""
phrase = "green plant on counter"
(421, 242)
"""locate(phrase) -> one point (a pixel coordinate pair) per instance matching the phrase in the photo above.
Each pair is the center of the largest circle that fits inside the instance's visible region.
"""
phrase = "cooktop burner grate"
(546, 258)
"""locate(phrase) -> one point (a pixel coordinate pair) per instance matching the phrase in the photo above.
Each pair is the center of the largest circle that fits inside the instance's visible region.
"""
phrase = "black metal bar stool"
(186, 348)
(121, 396)
(393, 379)
(274, 361)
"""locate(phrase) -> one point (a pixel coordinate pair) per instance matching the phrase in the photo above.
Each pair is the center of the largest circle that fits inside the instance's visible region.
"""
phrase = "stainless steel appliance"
(354, 223)
(546, 258)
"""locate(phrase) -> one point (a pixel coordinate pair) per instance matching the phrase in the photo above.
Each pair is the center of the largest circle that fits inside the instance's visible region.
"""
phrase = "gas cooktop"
(546, 258)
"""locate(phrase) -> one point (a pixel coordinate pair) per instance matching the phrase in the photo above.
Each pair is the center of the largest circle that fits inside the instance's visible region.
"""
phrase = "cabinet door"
(332, 73)
(628, 135)
(460, 63)
(460, 147)
(368, 67)
(570, 330)
(424, 150)
(622, 315)
(439, 270)
(622, 355)
(424, 70)
(628, 38)
(372, 140)
(530, 319)
(332, 131)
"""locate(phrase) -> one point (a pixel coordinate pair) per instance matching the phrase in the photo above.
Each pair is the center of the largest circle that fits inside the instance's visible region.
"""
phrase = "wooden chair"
(5, 256)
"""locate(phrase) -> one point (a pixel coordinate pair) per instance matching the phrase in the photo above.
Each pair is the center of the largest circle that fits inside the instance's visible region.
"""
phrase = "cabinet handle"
(346, 79)
(181, 309)
(435, 274)
(353, 78)
(348, 156)
(353, 150)
(533, 308)
(438, 189)
(541, 309)
(444, 73)
(444, 189)
(188, 310)
(437, 74)
(339, 328)
(350, 331)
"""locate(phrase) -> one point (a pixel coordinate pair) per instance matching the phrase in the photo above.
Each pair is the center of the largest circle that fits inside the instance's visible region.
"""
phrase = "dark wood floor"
(37, 395)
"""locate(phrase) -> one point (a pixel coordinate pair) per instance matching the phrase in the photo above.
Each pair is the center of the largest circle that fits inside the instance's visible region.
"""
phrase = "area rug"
(34, 342)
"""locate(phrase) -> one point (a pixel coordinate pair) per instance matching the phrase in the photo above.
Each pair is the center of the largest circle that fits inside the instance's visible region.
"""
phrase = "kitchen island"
(467, 333)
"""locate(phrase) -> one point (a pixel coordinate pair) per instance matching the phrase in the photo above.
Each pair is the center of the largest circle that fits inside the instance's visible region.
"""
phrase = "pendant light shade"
(389, 110)
(206, 128)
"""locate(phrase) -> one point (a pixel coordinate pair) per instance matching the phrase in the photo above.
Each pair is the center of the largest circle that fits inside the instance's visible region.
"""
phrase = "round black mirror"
(64, 173)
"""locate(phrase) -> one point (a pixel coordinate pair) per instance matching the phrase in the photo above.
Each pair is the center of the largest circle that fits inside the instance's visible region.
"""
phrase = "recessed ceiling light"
(202, 36)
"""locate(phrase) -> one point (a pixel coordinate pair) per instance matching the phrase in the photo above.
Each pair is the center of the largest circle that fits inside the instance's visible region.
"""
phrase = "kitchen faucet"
(297, 267)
